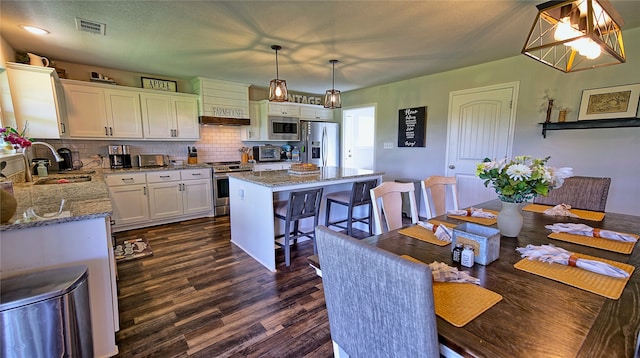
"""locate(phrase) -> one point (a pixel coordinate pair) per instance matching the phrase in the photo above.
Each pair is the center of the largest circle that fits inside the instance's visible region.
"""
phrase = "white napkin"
(553, 254)
(444, 273)
(441, 232)
(478, 213)
(560, 210)
(586, 230)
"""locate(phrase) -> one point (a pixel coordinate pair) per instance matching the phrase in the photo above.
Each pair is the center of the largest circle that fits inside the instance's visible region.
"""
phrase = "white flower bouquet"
(522, 178)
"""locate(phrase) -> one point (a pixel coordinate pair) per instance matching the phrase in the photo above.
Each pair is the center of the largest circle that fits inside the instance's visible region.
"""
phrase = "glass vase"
(510, 219)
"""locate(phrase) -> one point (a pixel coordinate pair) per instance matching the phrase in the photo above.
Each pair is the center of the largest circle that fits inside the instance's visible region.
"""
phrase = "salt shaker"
(466, 259)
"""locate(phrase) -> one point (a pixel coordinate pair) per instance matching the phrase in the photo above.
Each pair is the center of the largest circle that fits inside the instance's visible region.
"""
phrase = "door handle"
(451, 166)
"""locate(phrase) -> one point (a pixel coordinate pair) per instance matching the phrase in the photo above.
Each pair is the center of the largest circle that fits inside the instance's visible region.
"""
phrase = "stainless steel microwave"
(284, 128)
(266, 153)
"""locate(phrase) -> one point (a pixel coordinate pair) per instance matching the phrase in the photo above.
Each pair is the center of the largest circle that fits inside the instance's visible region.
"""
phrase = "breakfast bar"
(252, 194)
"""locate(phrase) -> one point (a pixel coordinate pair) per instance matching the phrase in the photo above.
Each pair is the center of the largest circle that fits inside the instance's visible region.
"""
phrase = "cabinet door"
(157, 116)
(197, 196)
(130, 204)
(36, 98)
(252, 132)
(86, 111)
(186, 118)
(315, 113)
(123, 113)
(165, 200)
(279, 109)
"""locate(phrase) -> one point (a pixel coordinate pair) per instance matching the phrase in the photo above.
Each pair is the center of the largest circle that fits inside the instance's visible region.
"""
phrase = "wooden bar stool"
(358, 196)
(301, 204)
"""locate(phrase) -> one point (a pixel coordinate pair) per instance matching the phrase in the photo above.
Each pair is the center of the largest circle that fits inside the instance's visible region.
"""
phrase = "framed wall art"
(412, 127)
(610, 102)
(158, 84)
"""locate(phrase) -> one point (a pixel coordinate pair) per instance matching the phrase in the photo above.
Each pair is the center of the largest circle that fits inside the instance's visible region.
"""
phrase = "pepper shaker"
(456, 254)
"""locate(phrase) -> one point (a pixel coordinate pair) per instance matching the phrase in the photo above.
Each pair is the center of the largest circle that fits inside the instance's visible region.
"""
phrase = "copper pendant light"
(277, 87)
(332, 97)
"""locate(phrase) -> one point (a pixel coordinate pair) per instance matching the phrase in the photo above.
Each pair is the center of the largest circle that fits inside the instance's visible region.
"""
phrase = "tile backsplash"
(217, 143)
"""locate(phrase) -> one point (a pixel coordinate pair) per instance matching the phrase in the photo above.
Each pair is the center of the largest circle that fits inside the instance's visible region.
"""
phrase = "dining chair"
(379, 304)
(588, 193)
(434, 194)
(359, 195)
(301, 205)
(386, 200)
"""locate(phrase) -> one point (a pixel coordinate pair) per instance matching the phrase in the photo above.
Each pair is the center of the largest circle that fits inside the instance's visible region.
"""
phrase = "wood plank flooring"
(201, 296)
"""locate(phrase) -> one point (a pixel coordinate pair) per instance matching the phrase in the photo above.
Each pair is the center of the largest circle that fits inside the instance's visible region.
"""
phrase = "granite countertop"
(83, 200)
(155, 169)
(276, 178)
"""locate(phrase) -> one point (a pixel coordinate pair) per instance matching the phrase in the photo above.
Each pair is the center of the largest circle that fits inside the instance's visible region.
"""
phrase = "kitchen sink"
(64, 180)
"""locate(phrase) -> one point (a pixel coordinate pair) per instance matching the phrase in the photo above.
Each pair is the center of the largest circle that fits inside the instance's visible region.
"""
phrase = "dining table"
(537, 316)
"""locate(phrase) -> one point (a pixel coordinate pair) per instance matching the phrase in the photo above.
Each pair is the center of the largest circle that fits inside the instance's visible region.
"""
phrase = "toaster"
(153, 160)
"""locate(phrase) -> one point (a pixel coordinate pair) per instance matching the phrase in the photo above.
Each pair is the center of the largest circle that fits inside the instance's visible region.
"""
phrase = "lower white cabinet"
(262, 167)
(128, 194)
(159, 197)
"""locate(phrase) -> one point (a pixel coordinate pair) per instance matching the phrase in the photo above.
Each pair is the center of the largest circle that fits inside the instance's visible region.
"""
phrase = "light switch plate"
(388, 145)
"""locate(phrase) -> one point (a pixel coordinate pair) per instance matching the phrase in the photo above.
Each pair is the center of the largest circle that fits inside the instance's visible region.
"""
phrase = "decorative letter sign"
(412, 125)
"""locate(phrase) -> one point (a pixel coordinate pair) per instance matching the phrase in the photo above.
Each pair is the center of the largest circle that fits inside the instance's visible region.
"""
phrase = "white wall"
(591, 152)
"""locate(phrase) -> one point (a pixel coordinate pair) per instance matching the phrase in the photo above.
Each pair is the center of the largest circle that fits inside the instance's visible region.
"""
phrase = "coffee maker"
(119, 156)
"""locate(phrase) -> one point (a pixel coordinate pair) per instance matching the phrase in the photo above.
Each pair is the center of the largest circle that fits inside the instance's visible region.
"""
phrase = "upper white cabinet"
(170, 116)
(220, 98)
(309, 112)
(37, 100)
(281, 109)
(95, 112)
(252, 132)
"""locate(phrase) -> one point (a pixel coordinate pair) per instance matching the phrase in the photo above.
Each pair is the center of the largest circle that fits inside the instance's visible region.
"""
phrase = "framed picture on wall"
(610, 102)
(158, 84)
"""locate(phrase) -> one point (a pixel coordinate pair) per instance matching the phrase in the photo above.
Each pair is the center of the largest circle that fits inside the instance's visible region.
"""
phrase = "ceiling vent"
(93, 27)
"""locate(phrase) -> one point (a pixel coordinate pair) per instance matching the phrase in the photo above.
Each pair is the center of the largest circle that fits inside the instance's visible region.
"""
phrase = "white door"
(481, 125)
(358, 137)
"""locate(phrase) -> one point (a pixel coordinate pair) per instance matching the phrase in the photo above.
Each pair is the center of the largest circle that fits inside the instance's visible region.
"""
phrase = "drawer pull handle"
(196, 174)
(165, 176)
(127, 179)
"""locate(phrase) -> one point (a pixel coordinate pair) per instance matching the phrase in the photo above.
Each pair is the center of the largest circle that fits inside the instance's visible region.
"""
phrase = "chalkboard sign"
(412, 125)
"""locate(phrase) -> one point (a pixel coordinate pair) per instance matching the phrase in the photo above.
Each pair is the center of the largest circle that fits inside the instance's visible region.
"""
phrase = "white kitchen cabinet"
(96, 112)
(128, 194)
(261, 167)
(178, 193)
(37, 99)
(252, 132)
(170, 116)
(315, 113)
(281, 109)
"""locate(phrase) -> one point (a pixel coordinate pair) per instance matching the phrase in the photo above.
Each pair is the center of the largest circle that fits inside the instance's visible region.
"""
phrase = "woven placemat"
(481, 221)
(426, 235)
(597, 242)
(602, 285)
(460, 303)
(582, 214)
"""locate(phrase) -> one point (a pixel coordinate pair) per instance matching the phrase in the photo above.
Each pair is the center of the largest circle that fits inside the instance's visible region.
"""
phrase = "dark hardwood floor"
(201, 296)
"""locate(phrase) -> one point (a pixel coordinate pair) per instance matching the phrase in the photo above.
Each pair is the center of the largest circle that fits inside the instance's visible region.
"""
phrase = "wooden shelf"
(596, 123)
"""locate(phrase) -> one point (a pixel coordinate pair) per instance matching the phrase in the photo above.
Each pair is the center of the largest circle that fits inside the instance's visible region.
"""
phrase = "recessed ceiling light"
(35, 30)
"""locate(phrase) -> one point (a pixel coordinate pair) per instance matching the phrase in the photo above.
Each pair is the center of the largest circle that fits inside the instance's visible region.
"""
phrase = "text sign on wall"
(412, 125)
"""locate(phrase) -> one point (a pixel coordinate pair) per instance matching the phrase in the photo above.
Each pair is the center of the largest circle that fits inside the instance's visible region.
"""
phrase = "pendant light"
(277, 87)
(576, 35)
(332, 97)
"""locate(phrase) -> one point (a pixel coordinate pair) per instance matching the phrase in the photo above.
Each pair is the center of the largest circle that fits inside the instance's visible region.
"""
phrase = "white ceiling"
(376, 42)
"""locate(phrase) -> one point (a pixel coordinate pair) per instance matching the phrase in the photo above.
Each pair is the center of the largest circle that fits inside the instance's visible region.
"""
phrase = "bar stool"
(358, 196)
(301, 204)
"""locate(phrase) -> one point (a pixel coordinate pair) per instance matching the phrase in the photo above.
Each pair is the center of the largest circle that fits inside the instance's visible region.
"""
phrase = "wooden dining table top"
(538, 317)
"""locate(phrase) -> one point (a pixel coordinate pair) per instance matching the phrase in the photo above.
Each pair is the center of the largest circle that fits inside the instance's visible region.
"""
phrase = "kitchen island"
(252, 194)
(37, 239)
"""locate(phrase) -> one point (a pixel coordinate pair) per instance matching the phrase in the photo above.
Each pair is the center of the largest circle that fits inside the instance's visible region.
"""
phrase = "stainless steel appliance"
(119, 156)
(284, 128)
(266, 153)
(320, 143)
(221, 183)
(153, 160)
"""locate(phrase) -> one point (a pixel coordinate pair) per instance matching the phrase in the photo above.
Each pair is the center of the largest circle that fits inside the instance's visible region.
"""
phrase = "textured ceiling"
(376, 42)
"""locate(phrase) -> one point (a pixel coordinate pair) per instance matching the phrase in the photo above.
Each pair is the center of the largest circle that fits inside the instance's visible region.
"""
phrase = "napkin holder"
(484, 240)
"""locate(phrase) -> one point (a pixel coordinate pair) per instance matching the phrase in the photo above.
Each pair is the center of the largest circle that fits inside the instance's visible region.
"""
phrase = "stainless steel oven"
(221, 183)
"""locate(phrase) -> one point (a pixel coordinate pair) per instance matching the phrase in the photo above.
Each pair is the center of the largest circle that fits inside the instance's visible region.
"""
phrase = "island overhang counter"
(252, 194)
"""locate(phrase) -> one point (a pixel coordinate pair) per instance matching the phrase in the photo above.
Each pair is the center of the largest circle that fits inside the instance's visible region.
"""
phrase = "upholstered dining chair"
(588, 193)
(379, 304)
(359, 195)
(386, 200)
(434, 194)
(301, 204)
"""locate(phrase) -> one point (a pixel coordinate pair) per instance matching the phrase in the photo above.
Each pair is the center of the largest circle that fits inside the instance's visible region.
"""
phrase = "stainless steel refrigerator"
(320, 143)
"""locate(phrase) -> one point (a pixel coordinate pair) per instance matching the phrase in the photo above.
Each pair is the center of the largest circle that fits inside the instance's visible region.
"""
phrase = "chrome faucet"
(28, 167)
